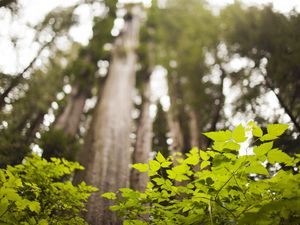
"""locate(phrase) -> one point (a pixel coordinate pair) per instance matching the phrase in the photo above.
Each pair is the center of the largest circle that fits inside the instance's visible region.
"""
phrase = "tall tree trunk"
(175, 131)
(138, 181)
(193, 128)
(218, 106)
(69, 120)
(108, 158)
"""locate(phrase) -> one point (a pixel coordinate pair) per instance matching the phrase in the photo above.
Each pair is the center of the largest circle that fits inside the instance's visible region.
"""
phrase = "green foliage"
(34, 193)
(225, 184)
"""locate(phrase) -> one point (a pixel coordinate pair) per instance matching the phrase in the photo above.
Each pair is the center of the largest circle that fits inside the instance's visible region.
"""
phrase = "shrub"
(38, 192)
(234, 182)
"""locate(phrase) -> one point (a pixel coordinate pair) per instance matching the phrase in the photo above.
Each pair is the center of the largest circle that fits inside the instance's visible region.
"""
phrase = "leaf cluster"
(225, 184)
(38, 192)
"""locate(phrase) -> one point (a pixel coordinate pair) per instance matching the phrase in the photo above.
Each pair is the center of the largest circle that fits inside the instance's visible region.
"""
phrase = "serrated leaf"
(238, 134)
(278, 156)
(257, 168)
(220, 136)
(166, 164)
(109, 195)
(257, 131)
(193, 160)
(159, 181)
(34, 207)
(277, 129)
(230, 156)
(268, 137)
(154, 165)
(263, 148)
(141, 167)
(160, 158)
(204, 155)
(232, 146)
(204, 164)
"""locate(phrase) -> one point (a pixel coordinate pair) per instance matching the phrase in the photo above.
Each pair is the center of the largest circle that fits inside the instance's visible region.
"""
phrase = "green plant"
(234, 182)
(38, 192)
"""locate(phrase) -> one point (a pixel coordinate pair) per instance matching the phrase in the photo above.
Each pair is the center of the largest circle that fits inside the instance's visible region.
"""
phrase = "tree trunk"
(138, 181)
(107, 158)
(193, 127)
(69, 120)
(176, 134)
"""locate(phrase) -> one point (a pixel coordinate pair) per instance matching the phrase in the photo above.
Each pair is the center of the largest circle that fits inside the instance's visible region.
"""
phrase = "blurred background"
(201, 66)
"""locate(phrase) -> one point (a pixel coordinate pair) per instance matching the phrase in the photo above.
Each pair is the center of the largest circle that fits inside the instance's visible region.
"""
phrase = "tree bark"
(107, 158)
(138, 181)
(175, 131)
(69, 120)
(193, 127)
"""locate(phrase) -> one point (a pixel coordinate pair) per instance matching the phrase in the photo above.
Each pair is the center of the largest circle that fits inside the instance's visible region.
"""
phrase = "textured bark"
(138, 181)
(176, 134)
(107, 158)
(193, 128)
(69, 120)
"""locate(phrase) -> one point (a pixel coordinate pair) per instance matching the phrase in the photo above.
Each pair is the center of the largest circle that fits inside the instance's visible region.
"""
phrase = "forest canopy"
(130, 105)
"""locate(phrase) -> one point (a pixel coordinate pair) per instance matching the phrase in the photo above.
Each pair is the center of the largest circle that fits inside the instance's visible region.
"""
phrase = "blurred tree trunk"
(107, 158)
(138, 181)
(69, 120)
(218, 106)
(176, 132)
(193, 128)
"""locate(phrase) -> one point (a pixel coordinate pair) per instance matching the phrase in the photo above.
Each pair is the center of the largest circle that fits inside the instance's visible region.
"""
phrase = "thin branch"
(20, 76)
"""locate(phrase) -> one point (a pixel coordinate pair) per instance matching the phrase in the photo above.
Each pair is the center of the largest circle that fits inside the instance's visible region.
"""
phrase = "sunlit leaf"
(277, 129)
(263, 148)
(141, 167)
(238, 134)
(220, 136)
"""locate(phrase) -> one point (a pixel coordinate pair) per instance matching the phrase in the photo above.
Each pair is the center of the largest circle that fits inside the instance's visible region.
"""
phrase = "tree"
(270, 40)
(108, 157)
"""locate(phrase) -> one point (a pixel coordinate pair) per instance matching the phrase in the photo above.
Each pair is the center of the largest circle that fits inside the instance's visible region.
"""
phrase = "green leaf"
(257, 131)
(220, 136)
(278, 156)
(204, 164)
(159, 181)
(166, 164)
(277, 129)
(34, 207)
(114, 208)
(43, 222)
(160, 158)
(263, 148)
(204, 155)
(268, 137)
(109, 195)
(193, 160)
(154, 165)
(238, 134)
(232, 146)
(141, 167)
(257, 168)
